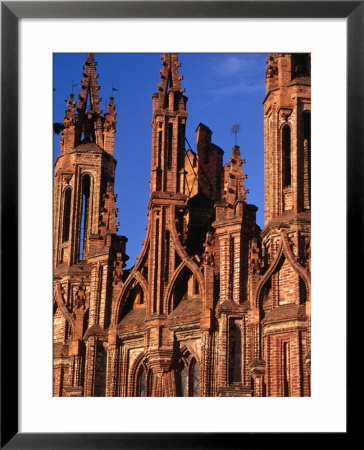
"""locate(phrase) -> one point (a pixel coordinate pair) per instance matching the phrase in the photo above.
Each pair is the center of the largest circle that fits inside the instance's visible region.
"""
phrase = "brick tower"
(88, 255)
(162, 300)
(283, 292)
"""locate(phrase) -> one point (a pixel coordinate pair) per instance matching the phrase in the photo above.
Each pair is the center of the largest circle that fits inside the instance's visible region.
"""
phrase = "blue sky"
(222, 89)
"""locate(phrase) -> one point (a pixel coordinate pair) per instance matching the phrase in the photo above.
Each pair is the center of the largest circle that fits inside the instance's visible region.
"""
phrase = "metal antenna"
(235, 129)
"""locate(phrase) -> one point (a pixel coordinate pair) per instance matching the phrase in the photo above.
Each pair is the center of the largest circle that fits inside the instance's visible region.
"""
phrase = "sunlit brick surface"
(214, 306)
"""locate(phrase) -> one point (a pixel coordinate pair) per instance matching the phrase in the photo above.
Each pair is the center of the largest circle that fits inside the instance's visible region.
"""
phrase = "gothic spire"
(170, 79)
(85, 123)
(89, 87)
(168, 124)
(234, 177)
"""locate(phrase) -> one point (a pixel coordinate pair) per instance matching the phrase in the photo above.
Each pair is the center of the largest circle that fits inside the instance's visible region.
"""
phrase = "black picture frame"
(11, 12)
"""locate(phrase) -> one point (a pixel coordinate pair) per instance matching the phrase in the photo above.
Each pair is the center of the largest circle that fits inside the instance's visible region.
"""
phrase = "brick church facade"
(214, 306)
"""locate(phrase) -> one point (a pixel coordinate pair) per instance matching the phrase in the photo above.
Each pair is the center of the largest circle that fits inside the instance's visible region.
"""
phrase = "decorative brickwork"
(213, 306)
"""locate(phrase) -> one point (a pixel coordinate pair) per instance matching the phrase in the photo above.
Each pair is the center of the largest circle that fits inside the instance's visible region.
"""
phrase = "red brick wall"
(237, 275)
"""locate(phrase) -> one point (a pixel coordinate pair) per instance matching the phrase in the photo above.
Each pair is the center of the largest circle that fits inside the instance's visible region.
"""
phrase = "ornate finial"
(235, 129)
(110, 115)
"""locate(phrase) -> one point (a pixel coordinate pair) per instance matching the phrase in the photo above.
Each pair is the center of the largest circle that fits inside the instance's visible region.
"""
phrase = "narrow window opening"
(67, 330)
(150, 384)
(141, 383)
(303, 291)
(66, 215)
(141, 297)
(232, 266)
(195, 380)
(196, 288)
(182, 382)
(234, 352)
(84, 231)
(170, 143)
(181, 150)
(187, 377)
(159, 147)
(100, 371)
(286, 156)
(286, 386)
(156, 264)
(216, 288)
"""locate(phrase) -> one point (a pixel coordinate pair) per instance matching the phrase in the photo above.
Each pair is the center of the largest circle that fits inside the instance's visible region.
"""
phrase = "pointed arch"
(135, 297)
(135, 377)
(168, 292)
(177, 243)
(134, 277)
(187, 373)
(186, 260)
(302, 272)
(283, 250)
(63, 309)
(183, 269)
(145, 248)
(135, 274)
(185, 351)
(268, 274)
(141, 382)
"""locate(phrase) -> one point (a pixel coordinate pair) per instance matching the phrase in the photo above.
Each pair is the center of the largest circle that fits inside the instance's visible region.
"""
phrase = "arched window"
(195, 379)
(234, 351)
(184, 382)
(150, 383)
(187, 378)
(286, 156)
(141, 392)
(66, 215)
(85, 211)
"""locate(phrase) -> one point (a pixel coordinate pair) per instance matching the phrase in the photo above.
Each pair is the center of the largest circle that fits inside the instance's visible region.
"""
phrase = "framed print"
(58, 409)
